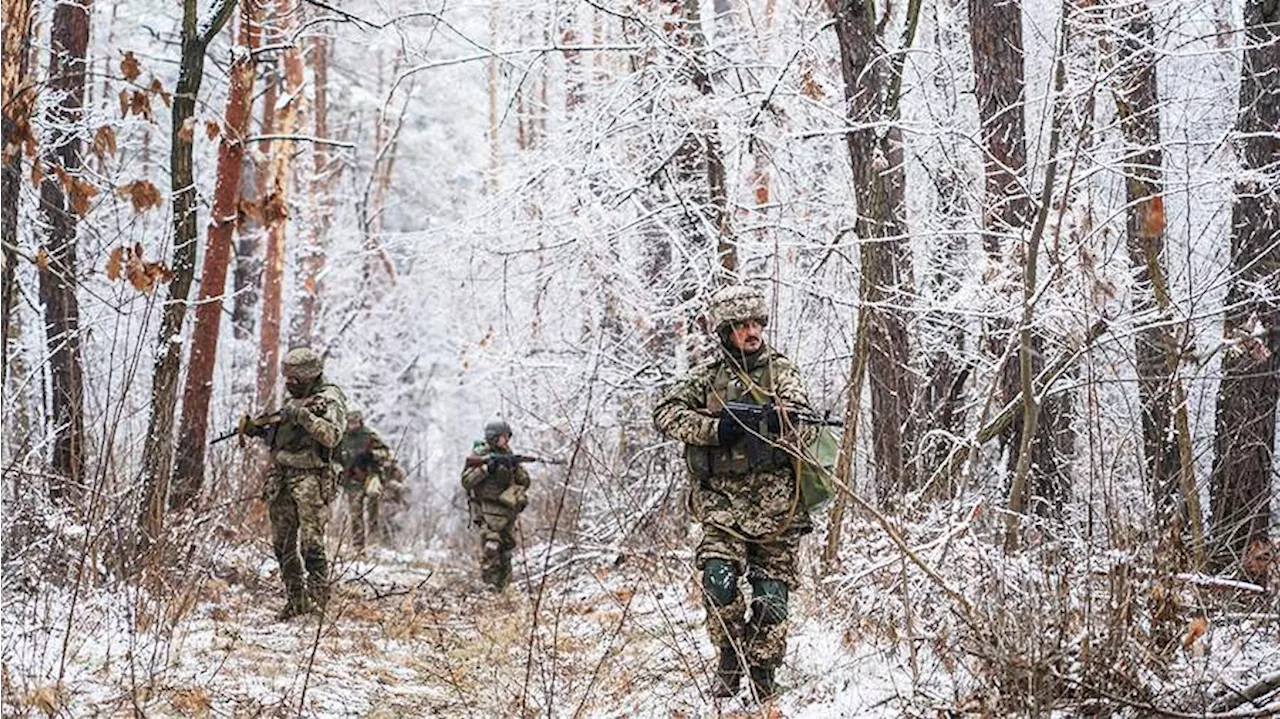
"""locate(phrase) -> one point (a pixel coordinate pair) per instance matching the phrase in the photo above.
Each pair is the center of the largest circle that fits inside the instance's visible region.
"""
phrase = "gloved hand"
(289, 413)
(729, 429)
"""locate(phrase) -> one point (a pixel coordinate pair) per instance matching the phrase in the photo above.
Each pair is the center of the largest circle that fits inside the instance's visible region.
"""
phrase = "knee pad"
(720, 581)
(770, 599)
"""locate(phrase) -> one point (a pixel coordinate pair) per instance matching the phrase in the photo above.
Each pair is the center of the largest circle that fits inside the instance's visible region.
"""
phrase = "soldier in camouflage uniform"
(366, 462)
(747, 505)
(496, 489)
(302, 479)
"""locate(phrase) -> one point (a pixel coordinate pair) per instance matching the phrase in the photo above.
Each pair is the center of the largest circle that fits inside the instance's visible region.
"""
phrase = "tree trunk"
(872, 83)
(275, 212)
(314, 258)
(70, 39)
(188, 475)
(16, 100)
(1165, 433)
(999, 76)
(1244, 439)
(158, 447)
(249, 264)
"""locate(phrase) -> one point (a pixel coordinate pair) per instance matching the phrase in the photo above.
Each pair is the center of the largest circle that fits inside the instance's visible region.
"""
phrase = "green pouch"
(815, 470)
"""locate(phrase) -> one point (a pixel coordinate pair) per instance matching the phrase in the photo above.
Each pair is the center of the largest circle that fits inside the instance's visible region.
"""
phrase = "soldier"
(366, 462)
(743, 489)
(302, 479)
(496, 488)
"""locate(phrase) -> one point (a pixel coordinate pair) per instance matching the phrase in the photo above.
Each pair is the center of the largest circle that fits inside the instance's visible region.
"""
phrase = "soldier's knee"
(720, 581)
(770, 598)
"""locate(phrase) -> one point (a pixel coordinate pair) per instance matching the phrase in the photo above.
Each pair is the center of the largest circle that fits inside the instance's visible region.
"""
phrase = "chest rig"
(732, 384)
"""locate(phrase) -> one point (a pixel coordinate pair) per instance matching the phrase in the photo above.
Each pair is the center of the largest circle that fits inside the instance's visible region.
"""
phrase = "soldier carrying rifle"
(497, 487)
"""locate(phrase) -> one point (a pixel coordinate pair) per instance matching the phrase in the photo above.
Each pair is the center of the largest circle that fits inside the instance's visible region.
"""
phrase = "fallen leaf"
(129, 67)
(142, 194)
(1196, 628)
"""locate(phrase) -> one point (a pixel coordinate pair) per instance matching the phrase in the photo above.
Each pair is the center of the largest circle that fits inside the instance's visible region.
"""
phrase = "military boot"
(728, 674)
(296, 605)
(762, 684)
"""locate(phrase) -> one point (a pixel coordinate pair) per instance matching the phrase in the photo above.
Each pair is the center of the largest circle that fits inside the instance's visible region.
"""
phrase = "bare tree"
(188, 473)
(16, 96)
(1166, 441)
(275, 209)
(61, 200)
(1244, 440)
(995, 28)
(320, 188)
(872, 86)
(158, 450)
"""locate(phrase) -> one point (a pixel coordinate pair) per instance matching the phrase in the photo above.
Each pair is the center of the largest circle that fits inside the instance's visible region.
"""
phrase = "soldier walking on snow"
(367, 462)
(302, 479)
(496, 487)
(743, 488)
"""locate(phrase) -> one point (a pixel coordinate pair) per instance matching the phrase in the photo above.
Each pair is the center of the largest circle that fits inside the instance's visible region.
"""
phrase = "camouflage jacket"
(484, 486)
(310, 441)
(363, 453)
(757, 499)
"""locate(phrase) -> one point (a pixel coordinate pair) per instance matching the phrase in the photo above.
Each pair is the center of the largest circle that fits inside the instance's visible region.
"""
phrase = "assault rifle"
(264, 425)
(761, 420)
(507, 460)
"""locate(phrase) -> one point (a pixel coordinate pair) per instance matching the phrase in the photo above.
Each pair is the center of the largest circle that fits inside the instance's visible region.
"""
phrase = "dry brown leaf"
(211, 129)
(309, 285)
(37, 173)
(81, 193)
(1196, 628)
(810, 86)
(45, 699)
(192, 702)
(142, 194)
(274, 209)
(140, 104)
(188, 130)
(1151, 216)
(104, 141)
(114, 262)
(247, 210)
(124, 103)
(129, 67)
(42, 259)
(158, 88)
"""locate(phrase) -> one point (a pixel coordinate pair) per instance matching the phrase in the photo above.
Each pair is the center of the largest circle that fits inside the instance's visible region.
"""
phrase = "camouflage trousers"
(760, 640)
(363, 515)
(297, 506)
(497, 526)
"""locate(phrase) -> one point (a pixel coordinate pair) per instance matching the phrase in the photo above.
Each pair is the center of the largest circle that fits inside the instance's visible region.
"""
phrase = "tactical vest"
(493, 484)
(727, 385)
(293, 447)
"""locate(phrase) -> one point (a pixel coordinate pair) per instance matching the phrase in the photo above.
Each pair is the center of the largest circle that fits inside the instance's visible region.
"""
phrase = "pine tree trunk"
(275, 213)
(312, 262)
(15, 99)
(70, 39)
(876, 157)
(1245, 428)
(158, 447)
(188, 475)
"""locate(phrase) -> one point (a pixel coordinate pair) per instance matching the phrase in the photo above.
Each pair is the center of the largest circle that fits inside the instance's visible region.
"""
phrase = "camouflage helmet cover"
(736, 303)
(303, 363)
(494, 428)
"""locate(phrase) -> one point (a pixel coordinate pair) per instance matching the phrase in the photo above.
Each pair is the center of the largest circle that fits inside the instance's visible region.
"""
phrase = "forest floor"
(416, 634)
(410, 635)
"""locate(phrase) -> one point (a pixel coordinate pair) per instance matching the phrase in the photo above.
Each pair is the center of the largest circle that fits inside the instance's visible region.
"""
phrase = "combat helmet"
(494, 428)
(303, 364)
(736, 303)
